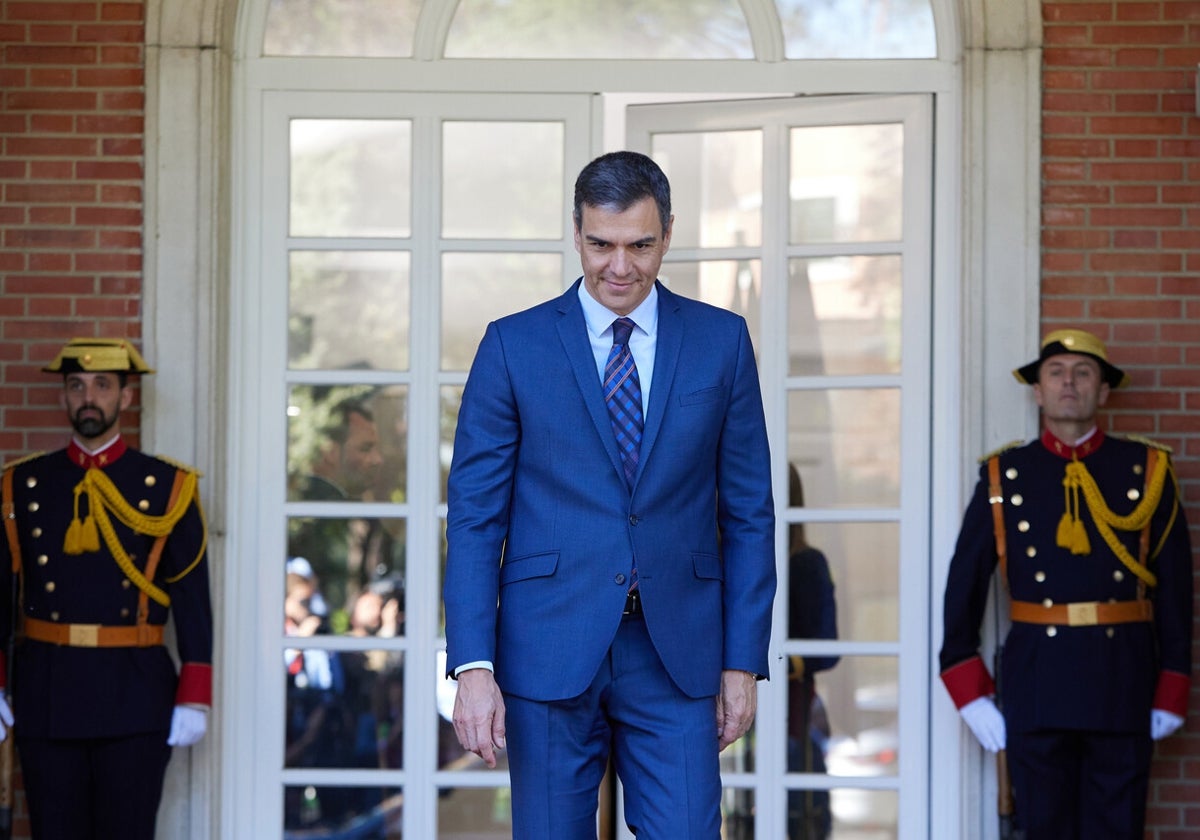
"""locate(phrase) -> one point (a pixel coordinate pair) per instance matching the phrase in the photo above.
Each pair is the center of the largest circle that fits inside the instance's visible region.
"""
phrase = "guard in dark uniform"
(104, 541)
(1093, 546)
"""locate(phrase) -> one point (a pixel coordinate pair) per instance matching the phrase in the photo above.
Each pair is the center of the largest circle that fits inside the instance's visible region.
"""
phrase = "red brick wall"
(1121, 250)
(72, 94)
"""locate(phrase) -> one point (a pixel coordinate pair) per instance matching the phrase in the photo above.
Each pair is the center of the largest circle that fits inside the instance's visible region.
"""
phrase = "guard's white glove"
(188, 726)
(985, 722)
(6, 715)
(1163, 723)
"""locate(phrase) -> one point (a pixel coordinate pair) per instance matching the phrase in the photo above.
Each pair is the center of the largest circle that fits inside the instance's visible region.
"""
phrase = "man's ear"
(126, 397)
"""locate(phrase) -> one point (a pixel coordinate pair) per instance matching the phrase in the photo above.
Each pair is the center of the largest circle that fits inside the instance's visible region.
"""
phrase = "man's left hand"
(736, 705)
(188, 726)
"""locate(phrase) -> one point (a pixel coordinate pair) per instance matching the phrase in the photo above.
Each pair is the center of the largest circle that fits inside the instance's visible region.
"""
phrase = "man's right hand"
(985, 722)
(479, 714)
(6, 716)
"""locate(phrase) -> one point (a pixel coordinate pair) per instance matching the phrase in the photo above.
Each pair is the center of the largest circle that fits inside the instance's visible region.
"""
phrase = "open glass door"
(812, 218)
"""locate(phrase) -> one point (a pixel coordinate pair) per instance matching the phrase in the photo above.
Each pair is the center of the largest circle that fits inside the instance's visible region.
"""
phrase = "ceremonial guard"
(101, 542)
(1092, 543)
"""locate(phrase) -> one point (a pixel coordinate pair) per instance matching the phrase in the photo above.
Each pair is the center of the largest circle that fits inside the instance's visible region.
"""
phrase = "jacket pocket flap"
(528, 566)
(708, 566)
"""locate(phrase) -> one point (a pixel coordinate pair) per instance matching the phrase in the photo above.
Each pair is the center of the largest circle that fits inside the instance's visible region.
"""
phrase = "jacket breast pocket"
(708, 566)
(705, 395)
(528, 566)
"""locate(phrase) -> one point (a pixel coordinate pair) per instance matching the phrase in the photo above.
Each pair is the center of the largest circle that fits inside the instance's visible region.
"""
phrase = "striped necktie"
(623, 393)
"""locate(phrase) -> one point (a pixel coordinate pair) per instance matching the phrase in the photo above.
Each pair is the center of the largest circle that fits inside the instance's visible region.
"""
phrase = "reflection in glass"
(344, 709)
(859, 812)
(348, 309)
(716, 187)
(313, 812)
(486, 195)
(735, 285)
(363, 28)
(844, 316)
(847, 445)
(858, 28)
(347, 443)
(479, 288)
(474, 814)
(351, 178)
(855, 725)
(846, 183)
(451, 401)
(598, 29)
(737, 814)
(332, 563)
(858, 589)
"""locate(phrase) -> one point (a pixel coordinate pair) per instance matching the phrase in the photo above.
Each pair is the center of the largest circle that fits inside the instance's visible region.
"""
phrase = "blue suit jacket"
(542, 530)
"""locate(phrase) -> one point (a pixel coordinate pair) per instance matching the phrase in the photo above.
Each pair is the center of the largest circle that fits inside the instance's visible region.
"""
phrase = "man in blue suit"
(610, 568)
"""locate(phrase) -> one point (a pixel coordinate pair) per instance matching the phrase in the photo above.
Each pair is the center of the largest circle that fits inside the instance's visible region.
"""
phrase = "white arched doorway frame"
(987, 139)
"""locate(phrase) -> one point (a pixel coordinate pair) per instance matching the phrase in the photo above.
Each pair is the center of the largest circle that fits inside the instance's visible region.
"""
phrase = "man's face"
(94, 402)
(621, 253)
(360, 456)
(1070, 388)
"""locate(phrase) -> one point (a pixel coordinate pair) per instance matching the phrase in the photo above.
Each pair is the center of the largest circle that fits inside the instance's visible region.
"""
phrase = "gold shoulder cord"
(1076, 479)
(103, 498)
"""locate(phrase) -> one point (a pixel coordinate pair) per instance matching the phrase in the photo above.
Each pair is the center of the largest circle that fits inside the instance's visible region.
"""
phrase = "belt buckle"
(633, 603)
(83, 635)
(1082, 614)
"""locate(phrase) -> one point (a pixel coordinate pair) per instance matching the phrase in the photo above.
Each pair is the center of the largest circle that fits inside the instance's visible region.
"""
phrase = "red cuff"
(195, 684)
(1172, 692)
(968, 680)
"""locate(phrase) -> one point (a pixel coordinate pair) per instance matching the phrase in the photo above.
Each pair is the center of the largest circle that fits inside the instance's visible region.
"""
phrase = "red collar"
(101, 459)
(1065, 450)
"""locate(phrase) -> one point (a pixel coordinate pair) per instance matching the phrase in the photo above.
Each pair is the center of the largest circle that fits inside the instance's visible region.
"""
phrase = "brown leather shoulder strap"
(996, 498)
(152, 561)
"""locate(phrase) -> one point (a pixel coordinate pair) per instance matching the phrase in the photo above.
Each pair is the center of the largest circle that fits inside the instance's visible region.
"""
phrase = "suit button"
(50, 586)
(42, 560)
(619, 579)
(37, 532)
(1052, 631)
(633, 519)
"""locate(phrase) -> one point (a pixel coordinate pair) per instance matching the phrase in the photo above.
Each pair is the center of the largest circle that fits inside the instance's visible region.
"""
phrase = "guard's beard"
(94, 424)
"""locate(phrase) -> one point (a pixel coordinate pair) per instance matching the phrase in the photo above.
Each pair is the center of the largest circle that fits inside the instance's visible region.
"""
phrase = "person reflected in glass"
(812, 614)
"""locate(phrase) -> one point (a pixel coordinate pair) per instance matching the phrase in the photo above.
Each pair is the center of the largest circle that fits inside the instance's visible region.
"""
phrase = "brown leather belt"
(1083, 614)
(93, 635)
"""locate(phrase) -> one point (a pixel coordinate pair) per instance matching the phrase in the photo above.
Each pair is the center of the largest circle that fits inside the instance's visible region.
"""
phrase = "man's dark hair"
(618, 180)
(338, 428)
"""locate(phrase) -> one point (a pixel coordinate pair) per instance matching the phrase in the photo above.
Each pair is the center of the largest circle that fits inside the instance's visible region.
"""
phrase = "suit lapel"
(572, 331)
(666, 359)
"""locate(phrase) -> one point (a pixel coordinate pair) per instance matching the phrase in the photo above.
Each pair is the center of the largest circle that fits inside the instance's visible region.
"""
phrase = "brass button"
(1118, 576)
(1031, 551)
(1023, 526)
(50, 586)
(1052, 631)
(1134, 494)
(125, 583)
(1017, 499)
(151, 481)
(1010, 473)
(43, 559)
(1040, 577)
(54, 616)
(37, 532)
(31, 482)
(1047, 603)
(124, 612)
(143, 505)
(1137, 469)
(33, 507)
(1108, 631)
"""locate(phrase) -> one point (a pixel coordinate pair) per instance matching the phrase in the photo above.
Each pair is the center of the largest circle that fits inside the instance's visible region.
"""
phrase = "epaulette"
(179, 465)
(24, 460)
(1153, 444)
(1010, 445)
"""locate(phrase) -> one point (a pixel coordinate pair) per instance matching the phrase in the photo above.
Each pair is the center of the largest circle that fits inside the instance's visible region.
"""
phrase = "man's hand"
(1162, 723)
(188, 726)
(6, 716)
(736, 705)
(986, 723)
(479, 714)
